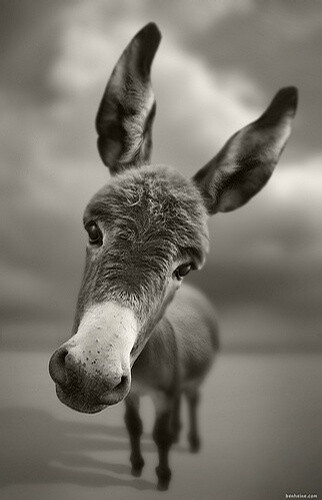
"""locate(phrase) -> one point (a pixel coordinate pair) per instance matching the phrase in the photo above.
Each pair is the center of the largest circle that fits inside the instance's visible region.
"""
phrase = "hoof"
(163, 485)
(164, 476)
(194, 448)
(137, 466)
(194, 444)
(136, 471)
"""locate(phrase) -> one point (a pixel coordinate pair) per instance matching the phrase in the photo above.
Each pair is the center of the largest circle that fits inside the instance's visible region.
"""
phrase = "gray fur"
(151, 218)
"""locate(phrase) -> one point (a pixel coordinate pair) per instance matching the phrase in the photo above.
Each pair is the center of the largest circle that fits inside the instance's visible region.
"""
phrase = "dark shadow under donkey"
(147, 229)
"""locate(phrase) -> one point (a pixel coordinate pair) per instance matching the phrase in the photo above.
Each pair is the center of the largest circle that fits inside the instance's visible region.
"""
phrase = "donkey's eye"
(182, 271)
(94, 233)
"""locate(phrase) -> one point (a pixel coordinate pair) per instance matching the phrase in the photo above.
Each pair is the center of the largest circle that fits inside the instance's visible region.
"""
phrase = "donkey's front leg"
(163, 437)
(134, 426)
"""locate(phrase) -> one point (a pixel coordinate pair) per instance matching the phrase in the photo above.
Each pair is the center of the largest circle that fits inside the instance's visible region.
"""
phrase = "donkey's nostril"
(122, 384)
(117, 392)
(57, 366)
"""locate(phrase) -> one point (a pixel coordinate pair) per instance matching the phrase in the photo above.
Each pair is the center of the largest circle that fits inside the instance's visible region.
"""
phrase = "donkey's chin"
(81, 405)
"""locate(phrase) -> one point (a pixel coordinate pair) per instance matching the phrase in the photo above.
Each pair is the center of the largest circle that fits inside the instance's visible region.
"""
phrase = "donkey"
(147, 229)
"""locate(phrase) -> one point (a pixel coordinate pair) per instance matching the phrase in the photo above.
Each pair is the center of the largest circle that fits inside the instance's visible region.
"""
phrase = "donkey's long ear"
(125, 116)
(247, 160)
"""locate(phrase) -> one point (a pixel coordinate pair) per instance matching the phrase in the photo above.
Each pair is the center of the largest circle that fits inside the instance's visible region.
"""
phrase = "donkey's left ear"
(247, 160)
(126, 113)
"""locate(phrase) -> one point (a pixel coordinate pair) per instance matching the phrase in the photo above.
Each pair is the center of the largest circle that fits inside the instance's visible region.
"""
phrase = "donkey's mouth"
(82, 404)
(79, 403)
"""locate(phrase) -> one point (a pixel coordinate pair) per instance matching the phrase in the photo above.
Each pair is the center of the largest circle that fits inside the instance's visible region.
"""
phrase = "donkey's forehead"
(156, 199)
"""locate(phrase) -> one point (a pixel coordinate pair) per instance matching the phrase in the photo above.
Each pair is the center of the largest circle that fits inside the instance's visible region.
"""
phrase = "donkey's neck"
(156, 367)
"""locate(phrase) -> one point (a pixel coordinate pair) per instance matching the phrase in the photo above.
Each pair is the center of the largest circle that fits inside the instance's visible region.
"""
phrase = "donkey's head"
(147, 228)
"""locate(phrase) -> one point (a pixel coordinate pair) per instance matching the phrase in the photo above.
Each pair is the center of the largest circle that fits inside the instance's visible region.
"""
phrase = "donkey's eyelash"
(190, 256)
(182, 270)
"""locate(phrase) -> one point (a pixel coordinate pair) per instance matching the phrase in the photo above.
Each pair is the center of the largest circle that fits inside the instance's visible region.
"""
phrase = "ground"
(260, 429)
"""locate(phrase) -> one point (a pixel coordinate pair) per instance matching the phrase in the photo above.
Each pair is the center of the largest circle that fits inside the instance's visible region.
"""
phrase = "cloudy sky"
(219, 65)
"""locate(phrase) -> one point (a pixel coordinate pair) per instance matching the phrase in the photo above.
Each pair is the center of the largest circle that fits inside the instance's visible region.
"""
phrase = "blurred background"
(218, 67)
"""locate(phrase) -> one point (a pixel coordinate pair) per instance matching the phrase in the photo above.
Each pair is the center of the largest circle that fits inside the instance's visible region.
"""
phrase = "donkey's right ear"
(125, 116)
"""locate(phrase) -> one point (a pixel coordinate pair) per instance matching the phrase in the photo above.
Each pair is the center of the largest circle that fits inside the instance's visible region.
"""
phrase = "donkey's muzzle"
(84, 385)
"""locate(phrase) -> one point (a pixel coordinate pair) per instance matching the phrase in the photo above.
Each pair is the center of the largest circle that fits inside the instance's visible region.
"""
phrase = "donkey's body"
(135, 332)
(175, 361)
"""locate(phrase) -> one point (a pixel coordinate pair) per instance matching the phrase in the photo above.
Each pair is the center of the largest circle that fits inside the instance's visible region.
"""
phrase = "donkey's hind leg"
(193, 396)
(175, 419)
(134, 426)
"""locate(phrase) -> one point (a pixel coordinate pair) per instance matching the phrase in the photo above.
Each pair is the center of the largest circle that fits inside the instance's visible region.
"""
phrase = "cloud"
(29, 36)
(196, 101)
(275, 44)
(50, 166)
(281, 224)
(195, 16)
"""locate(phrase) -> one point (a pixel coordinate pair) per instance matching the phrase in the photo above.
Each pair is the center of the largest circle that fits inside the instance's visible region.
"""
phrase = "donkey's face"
(147, 228)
